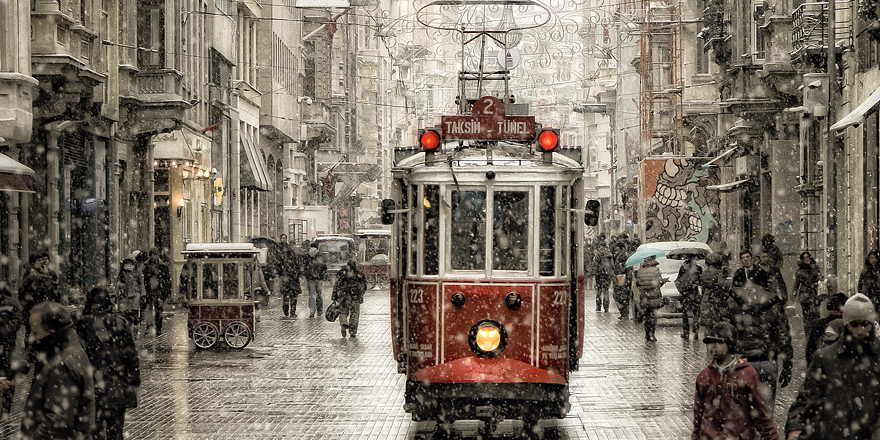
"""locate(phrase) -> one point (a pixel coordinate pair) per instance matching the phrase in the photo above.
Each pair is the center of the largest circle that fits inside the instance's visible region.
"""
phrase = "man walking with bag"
(348, 292)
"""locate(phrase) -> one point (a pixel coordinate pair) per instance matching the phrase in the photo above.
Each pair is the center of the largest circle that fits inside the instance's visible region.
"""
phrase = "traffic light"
(429, 139)
(591, 215)
(387, 216)
(548, 139)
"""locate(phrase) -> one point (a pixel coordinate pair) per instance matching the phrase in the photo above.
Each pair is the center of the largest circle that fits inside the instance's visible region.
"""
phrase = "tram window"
(230, 280)
(209, 281)
(510, 244)
(468, 231)
(414, 233)
(563, 237)
(432, 229)
(404, 226)
(547, 228)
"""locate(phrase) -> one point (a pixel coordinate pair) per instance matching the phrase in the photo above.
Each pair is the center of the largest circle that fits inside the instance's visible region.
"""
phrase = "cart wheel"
(237, 335)
(205, 335)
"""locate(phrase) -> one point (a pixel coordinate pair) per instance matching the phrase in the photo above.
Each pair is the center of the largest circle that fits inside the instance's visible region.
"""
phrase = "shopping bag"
(822, 290)
(332, 312)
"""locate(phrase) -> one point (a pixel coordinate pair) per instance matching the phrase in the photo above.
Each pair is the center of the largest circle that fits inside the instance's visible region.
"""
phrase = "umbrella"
(684, 253)
(640, 255)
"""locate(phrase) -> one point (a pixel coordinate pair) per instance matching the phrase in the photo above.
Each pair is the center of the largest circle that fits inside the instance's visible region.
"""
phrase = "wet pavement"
(299, 379)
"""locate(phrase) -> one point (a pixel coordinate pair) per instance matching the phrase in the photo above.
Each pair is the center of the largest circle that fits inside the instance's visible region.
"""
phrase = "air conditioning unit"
(746, 166)
(816, 94)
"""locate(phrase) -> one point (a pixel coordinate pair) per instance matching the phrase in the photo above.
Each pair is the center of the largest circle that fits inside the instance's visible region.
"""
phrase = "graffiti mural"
(675, 204)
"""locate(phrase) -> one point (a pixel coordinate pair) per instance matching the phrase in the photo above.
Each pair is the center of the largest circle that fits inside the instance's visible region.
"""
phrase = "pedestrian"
(777, 281)
(61, 401)
(688, 285)
(588, 264)
(39, 284)
(188, 280)
(716, 291)
(275, 263)
(768, 245)
(750, 272)
(840, 396)
(622, 280)
(11, 319)
(649, 281)
(157, 284)
(764, 336)
(315, 271)
(869, 279)
(129, 291)
(110, 347)
(603, 268)
(806, 290)
(289, 271)
(819, 326)
(727, 403)
(348, 292)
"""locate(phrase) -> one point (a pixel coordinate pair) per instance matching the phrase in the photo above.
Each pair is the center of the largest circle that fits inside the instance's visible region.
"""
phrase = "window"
(759, 42)
(414, 231)
(151, 34)
(547, 225)
(230, 281)
(432, 229)
(510, 230)
(468, 231)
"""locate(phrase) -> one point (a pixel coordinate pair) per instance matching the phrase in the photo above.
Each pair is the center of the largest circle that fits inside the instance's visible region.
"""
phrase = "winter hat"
(836, 301)
(858, 308)
(722, 332)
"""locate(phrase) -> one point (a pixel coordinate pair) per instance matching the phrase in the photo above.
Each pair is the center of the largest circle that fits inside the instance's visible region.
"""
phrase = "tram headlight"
(487, 338)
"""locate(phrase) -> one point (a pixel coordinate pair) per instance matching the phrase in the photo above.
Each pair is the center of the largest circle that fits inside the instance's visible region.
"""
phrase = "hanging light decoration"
(512, 37)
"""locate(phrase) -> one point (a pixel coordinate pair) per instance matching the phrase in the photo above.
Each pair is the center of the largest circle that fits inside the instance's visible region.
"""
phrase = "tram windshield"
(510, 244)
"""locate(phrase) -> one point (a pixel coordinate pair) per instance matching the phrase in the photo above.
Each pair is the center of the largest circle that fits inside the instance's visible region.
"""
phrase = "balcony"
(809, 32)
(152, 98)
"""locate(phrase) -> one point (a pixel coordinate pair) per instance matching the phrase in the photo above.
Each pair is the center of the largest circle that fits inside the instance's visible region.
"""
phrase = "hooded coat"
(129, 287)
(716, 292)
(349, 289)
(110, 347)
(761, 323)
(806, 283)
(728, 405)
(649, 280)
(840, 396)
(61, 402)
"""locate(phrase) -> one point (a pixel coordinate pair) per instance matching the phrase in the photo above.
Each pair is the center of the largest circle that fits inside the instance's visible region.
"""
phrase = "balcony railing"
(809, 30)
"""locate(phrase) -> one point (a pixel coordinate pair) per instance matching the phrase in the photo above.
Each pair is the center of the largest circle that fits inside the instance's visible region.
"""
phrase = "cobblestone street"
(299, 379)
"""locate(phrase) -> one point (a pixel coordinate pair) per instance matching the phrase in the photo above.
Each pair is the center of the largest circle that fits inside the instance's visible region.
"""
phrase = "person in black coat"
(157, 284)
(869, 279)
(10, 323)
(688, 285)
(714, 307)
(806, 290)
(817, 328)
(348, 292)
(39, 284)
(110, 346)
(288, 273)
(622, 280)
(61, 401)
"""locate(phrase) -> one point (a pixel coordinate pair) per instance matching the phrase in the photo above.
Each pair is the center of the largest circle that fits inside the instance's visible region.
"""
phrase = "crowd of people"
(750, 342)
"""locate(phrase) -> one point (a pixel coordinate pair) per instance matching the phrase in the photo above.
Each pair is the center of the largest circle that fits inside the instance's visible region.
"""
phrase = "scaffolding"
(660, 69)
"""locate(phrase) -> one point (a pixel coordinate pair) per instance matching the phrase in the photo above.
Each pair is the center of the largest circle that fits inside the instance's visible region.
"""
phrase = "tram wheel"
(205, 335)
(237, 335)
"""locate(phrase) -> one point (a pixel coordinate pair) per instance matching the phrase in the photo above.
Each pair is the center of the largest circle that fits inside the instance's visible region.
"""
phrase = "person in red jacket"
(727, 403)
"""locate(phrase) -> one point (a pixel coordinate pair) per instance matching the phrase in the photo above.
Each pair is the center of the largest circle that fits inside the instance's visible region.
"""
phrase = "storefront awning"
(728, 187)
(720, 158)
(180, 145)
(255, 173)
(14, 176)
(855, 117)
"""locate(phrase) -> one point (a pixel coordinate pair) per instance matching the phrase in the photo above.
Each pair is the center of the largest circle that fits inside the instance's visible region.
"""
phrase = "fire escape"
(660, 69)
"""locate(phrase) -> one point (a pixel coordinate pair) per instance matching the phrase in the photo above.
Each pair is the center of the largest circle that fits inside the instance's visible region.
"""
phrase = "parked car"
(676, 252)
(336, 251)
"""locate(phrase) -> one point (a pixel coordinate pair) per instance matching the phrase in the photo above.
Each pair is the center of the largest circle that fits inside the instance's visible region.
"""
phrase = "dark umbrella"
(684, 253)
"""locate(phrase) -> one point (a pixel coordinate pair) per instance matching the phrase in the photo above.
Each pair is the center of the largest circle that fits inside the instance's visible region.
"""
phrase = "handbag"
(621, 279)
(332, 312)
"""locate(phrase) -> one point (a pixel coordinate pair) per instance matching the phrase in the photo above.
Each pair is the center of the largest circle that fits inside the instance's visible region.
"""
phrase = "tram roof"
(504, 154)
(244, 249)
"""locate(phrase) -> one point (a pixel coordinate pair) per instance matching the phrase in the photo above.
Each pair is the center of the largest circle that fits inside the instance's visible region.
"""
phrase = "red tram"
(487, 292)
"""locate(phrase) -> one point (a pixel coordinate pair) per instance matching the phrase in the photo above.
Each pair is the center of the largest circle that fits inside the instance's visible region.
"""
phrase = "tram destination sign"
(490, 128)
(489, 122)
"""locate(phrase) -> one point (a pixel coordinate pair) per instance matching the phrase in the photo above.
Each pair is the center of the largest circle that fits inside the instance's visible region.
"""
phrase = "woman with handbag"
(348, 294)
(649, 281)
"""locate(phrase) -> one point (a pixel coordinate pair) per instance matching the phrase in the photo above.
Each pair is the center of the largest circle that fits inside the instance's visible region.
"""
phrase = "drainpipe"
(830, 187)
